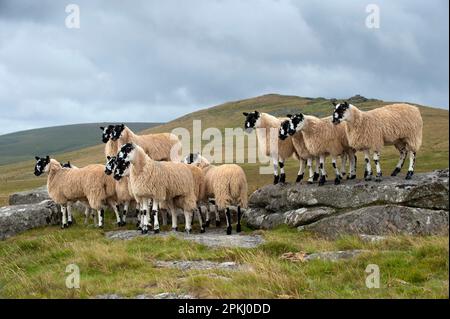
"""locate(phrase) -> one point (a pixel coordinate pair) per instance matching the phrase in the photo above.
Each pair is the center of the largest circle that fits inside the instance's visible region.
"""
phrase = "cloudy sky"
(157, 60)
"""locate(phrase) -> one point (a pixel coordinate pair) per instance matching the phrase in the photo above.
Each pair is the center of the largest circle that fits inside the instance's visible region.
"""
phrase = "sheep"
(87, 184)
(322, 138)
(160, 147)
(278, 150)
(301, 153)
(167, 183)
(111, 146)
(226, 183)
(396, 124)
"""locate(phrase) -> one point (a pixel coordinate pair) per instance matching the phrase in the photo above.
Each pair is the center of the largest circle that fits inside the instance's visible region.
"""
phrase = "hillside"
(433, 155)
(21, 146)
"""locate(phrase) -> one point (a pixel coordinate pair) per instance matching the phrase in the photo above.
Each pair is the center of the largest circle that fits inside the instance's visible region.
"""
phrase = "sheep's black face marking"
(117, 131)
(41, 164)
(125, 150)
(191, 158)
(121, 168)
(250, 120)
(107, 133)
(294, 122)
(283, 132)
(111, 164)
(339, 112)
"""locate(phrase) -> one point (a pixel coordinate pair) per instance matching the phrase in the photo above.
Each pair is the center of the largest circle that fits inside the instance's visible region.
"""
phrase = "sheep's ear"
(48, 158)
(102, 128)
(245, 113)
(346, 103)
(289, 116)
(334, 103)
(108, 157)
(37, 158)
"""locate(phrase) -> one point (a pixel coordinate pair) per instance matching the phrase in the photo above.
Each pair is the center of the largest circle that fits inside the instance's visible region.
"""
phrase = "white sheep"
(396, 124)
(164, 183)
(227, 184)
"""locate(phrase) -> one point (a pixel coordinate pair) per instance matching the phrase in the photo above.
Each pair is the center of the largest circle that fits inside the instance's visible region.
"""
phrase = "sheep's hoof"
(174, 229)
(101, 226)
(351, 177)
(283, 178)
(316, 177)
(138, 225)
(144, 231)
(229, 230)
(368, 178)
(409, 175)
(276, 179)
(207, 223)
(218, 223)
(70, 223)
(238, 228)
(64, 226)
(337, 181)
(322, 181)
(378, 177)
(202, 230)
(396, 171)
(343, 173)
(156, 231)
(299, 178)
(310, 182)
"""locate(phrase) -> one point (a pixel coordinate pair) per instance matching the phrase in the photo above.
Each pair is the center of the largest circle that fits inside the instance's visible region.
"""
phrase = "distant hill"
(20, 146)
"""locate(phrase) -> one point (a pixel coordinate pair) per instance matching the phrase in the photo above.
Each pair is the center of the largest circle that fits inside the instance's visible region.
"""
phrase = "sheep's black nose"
(117, 177)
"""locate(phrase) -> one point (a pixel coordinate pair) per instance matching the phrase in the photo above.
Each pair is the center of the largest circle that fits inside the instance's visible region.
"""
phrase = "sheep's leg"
(239, 216)
(145, 217)
(138, 215)
(200, 220)
(188, 221)
(228, 217)
(376, 159)
(323, 176)
(352, 173)
(101, 216)
(174, 219)
(276, 178)
(69, 214)
(155, 217)
(401, 161)
(368, 170)
(412, 164)
(116, 210)
(301, 171)
(217, 213)
(164, 216)
(282, 173)
(338, 178)
(64, 216)
(311, 172)
(317, 169)
(126, 206)
(94, 215)
(343, 164)
(208, 216)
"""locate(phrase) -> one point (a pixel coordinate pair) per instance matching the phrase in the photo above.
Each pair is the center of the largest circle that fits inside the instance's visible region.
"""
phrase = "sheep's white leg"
(217, 213)
(155, 208)
(116, 210)
(164, 216)
(282, 173)
(188, 221)
(145, 217)
(338, 178)
(311, 172)
(126, 207)
(101, 216)
(376, 159)
(174, 219)
(87, 211)
(228, 217)
(64, 216)
(200, 219)
(412, 164)
(301, 171)
(208, 216)
(368, 170)
(69, 213)
(343, 164)
(239, 216)
(317, 169)
(352, 172)
(276, 178)
(401, 161)
(323, 173)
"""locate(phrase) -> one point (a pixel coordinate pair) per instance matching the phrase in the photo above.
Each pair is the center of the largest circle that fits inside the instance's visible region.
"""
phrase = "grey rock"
(19, 218)
(34, 196)
(214, 237)
(383, 220)
(259, 218)
(200, 265)
(334, 255)
(425, 190)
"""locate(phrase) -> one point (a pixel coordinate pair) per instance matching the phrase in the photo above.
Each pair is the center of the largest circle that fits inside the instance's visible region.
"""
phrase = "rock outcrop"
(394, 206)
(18, 218)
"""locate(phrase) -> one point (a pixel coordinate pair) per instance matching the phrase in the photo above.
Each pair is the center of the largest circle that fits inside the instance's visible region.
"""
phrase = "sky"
(153, 61)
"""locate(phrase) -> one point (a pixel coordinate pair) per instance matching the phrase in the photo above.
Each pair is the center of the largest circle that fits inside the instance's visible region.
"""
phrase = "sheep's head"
(117, 131)
(42, 165)
(340, 112)
(111, 163)
(123, 160)
(285, 130)
(251, 120)
(296, 123)
(122, 169)
(107, 132)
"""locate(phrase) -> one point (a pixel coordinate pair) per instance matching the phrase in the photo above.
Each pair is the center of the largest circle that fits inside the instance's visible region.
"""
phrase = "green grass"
(433, 155)
(33, 265)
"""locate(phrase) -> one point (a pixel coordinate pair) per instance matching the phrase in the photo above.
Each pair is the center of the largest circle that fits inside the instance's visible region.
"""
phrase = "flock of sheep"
(145, 171)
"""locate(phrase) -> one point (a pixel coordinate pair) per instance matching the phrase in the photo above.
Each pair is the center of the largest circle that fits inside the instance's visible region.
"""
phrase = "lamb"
(87, 184)
(226, 183)
(165, 183)
(278, 150)
(396, 124)
(160, 147)
(322, 138)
